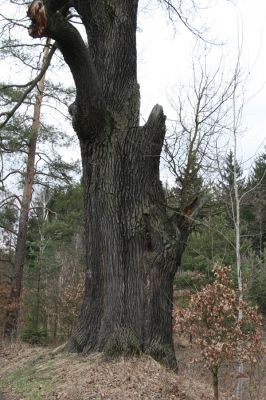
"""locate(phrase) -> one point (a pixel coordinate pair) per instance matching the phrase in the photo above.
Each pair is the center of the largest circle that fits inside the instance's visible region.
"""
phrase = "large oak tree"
(133, 244)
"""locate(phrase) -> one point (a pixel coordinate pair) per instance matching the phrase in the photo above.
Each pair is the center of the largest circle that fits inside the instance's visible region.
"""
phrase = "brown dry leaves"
(74, 377)
(211, 319)
(37, 14)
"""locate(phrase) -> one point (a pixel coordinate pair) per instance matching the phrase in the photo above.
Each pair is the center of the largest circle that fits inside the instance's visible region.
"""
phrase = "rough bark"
(133, 246)
(21, 245)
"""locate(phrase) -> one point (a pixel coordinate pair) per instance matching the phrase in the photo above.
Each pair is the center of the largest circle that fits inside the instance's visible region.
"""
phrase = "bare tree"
(202, 117)
(237, 194)
(237, 119)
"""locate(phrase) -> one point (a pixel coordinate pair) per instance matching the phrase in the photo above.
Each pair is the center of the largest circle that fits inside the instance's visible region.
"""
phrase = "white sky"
(165, 59)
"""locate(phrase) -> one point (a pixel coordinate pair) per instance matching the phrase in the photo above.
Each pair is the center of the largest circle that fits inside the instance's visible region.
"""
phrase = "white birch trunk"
(236, 200)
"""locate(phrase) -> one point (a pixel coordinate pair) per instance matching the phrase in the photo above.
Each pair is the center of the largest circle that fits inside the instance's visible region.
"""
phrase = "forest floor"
(38, 373)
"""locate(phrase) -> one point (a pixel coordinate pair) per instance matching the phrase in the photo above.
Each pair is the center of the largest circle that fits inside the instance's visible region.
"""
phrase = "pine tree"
(257, 204)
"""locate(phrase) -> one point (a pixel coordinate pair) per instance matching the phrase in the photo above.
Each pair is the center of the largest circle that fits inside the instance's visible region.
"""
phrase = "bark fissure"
(133, 247)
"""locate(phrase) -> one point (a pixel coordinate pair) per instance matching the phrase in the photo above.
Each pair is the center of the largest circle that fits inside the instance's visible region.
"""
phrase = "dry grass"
(42, 374)
(254, 382)
(37, 373)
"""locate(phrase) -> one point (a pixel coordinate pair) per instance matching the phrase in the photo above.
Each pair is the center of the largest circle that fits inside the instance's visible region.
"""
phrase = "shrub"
(34, 336)
(212, 319)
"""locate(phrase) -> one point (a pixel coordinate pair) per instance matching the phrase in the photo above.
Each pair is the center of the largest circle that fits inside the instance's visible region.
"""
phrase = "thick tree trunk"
(133, 246)
(12, 316)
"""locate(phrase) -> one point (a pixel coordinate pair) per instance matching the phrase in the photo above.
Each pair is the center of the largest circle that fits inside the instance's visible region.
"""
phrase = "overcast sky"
(165, 60)
(165, 56)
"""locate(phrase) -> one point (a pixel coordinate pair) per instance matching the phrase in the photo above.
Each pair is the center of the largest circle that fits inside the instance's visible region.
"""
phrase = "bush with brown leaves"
(211, 319)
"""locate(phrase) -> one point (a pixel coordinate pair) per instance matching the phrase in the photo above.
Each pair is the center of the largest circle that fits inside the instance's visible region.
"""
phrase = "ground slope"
(37, 373)
(34, 373)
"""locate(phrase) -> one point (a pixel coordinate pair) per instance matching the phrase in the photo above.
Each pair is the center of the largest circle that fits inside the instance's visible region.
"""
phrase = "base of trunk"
(133, 246)
(124, 342)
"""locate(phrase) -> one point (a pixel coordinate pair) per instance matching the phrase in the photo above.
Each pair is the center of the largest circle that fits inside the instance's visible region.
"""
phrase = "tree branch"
(89, 110)
(32, 85)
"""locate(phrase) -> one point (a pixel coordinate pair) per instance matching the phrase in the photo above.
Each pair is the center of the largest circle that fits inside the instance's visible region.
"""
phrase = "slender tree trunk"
(215, 384)
(20, 254)
(239, 388)
(44, 199)
(37, 318)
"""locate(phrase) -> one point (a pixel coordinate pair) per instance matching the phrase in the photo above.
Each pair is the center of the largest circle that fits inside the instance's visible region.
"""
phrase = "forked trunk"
(133, 246)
